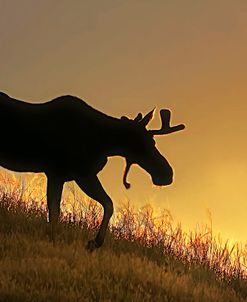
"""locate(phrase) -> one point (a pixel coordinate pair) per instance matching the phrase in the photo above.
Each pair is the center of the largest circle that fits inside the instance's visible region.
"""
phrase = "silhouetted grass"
(144, 258)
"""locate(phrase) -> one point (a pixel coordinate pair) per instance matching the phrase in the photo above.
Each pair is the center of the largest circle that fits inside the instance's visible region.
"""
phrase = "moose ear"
(124, 118)
(147, 118)
(138, 117)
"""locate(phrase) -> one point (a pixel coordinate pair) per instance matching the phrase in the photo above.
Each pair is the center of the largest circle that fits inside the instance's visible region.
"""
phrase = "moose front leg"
(54, 193)
(93, 188)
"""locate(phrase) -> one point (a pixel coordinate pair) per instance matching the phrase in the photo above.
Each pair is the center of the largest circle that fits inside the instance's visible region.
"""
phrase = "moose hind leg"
(54, 193)
(93, 188)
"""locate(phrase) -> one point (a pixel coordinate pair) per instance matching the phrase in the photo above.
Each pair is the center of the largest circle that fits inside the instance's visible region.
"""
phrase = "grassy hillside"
(131, 266)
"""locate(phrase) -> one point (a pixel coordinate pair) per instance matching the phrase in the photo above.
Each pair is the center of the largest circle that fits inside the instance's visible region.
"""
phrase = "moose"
(67, 139)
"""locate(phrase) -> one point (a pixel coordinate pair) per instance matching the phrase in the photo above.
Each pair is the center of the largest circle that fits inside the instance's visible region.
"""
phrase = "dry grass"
(145, 258)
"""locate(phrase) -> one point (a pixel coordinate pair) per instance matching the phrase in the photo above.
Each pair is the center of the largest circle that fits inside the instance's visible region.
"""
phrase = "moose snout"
(164, 178)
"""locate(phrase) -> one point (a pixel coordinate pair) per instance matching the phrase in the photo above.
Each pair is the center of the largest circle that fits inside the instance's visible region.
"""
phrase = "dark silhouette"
(68, 140)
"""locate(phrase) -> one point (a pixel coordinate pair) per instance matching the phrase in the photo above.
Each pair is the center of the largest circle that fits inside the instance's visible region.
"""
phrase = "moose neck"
(115, 135)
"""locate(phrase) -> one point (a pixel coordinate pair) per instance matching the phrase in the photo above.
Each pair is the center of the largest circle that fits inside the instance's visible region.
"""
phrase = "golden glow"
(145, 225)
(125, 57)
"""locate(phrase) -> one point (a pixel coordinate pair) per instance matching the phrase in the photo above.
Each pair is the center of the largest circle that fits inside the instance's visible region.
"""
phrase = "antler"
(165, 116)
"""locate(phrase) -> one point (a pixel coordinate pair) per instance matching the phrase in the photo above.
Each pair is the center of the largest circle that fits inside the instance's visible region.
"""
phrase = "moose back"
(68, 140)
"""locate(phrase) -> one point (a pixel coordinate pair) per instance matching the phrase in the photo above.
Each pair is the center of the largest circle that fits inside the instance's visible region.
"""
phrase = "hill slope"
(33, 269)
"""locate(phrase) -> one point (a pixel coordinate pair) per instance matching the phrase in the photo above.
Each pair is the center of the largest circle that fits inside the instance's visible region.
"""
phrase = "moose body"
(68, 140)
(53, 137)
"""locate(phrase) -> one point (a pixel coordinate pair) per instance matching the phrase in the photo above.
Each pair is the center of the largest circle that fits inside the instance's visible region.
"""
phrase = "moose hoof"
(92, 245)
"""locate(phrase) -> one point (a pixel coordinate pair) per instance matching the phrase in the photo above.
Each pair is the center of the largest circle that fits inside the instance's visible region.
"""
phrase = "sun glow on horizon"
(190, 59)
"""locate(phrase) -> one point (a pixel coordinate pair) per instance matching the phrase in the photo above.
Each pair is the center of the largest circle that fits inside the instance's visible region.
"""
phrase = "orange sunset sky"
(123, 57)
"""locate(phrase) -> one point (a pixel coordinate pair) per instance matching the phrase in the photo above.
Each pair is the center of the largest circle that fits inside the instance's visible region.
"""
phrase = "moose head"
(142, 150)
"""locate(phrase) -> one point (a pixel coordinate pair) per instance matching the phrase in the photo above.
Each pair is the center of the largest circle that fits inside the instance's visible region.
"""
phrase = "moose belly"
(21, 162)
(62, 163)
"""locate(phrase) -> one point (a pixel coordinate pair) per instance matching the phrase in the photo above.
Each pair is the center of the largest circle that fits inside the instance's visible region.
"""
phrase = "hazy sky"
(123, 57)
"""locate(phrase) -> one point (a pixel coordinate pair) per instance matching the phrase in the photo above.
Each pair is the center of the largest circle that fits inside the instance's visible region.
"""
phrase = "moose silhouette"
(68, 140)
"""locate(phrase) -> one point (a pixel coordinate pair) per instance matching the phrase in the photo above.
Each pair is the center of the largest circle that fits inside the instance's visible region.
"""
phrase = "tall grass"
(198, 253)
